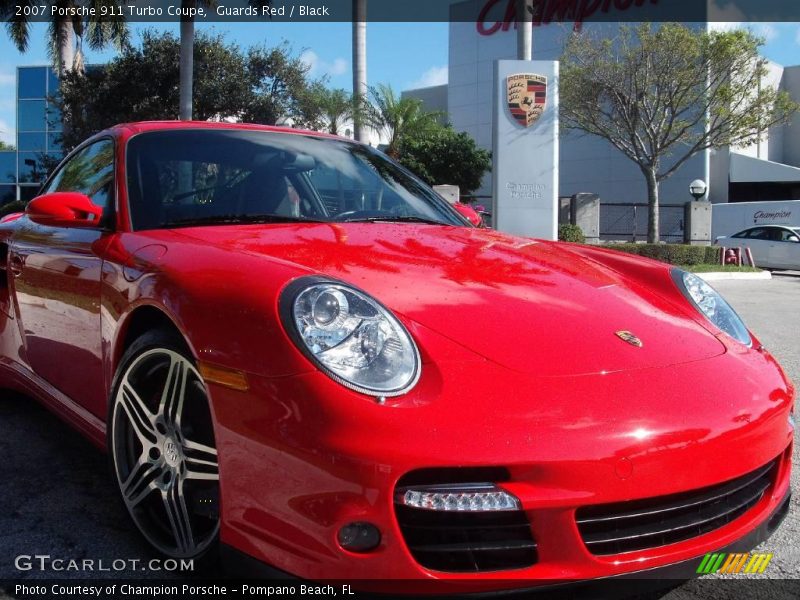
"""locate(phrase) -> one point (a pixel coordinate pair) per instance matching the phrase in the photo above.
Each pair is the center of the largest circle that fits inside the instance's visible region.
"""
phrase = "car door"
(56, 279)
(758, 240)
(786, 249)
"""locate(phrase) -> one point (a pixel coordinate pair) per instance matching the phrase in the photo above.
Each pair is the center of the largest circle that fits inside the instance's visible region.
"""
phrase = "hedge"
(676, 254)
(571, 233)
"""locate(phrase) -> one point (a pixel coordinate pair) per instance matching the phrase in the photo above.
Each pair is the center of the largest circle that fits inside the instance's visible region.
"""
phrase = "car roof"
(130, 129)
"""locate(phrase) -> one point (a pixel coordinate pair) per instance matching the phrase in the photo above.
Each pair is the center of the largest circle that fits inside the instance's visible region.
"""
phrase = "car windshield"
(194, 177)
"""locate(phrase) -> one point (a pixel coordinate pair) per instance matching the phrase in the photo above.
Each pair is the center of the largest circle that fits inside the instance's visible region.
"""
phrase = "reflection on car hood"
(531, 306)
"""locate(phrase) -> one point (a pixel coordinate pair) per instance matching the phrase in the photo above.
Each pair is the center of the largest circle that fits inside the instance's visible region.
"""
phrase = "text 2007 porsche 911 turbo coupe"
(293, 349)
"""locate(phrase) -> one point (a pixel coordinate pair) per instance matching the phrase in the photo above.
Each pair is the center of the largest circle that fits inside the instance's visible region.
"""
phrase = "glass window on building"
(32, 115)
(53, 117)
(8, 193)
(54, 143)
(31, 168)
(32, 141)
(32, 82)
(52, 83)
(28, 192)
(8, 167)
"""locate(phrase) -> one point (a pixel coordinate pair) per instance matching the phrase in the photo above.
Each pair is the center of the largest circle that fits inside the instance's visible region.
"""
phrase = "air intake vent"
(468, 541)
(640, 524)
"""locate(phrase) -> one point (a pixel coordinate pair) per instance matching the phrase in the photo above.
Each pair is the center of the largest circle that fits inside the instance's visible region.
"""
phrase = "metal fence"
(627, 221)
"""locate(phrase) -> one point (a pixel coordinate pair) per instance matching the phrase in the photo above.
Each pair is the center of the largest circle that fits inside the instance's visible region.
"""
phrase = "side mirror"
(64, 209)
(469, 213)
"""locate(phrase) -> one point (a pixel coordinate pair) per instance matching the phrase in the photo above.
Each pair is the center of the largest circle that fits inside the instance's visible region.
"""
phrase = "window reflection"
(54, 143)
(28, 192)
(90, 172)
(8, 167)
(32, 115)
(32, 82)
(31, 168)
(33, 142)
(8, 193)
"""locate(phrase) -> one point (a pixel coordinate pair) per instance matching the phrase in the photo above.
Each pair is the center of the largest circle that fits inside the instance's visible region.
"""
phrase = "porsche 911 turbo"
(294, 350)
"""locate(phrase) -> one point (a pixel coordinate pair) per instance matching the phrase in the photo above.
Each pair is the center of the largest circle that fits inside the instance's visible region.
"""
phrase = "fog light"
(359, 537)
(480, 497)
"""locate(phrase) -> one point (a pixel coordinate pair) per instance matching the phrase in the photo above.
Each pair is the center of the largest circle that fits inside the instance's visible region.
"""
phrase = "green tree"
(397, 118)
(444, 156)
(142, 83)
(280, 84)
(66, 35)
(334, 107)
(187, 48)
(663, 95)
(4, 147)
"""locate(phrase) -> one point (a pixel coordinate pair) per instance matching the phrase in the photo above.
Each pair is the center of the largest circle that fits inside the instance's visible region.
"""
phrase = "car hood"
(531, 306)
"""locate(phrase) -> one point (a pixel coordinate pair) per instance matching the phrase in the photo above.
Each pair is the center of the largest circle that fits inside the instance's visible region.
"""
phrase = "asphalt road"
(56, 497)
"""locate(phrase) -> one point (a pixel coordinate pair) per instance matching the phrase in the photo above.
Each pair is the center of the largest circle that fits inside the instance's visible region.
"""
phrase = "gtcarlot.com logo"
(734, 563)
(45, 562)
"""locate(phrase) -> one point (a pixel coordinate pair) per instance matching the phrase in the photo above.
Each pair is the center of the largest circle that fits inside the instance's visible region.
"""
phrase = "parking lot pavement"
(57, 497)
(771, 310)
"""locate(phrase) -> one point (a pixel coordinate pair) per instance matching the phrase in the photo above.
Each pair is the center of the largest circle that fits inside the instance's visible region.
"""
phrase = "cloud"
(725, 25)
(7, 133)
(317, 66)
(7, 79)
(431, 77)
(766, 30)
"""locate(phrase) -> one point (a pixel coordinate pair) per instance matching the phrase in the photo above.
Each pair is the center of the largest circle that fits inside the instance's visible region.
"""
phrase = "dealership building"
(480, 34)
(38, 132)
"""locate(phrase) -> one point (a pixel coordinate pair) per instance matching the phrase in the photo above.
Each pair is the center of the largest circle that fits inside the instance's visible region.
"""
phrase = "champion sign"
(549, 11)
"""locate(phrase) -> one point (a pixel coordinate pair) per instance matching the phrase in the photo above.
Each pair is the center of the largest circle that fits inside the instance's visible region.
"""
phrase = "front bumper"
(630, 584)
(300, 457)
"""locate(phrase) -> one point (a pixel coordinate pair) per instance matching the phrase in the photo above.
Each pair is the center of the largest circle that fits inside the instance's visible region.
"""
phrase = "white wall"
(588, 164)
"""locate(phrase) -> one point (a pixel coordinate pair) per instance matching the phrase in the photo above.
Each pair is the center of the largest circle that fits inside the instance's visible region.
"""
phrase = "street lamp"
(698, 188)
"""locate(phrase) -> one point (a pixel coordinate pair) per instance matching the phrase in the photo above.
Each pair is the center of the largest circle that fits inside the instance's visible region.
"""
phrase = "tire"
(162, 450)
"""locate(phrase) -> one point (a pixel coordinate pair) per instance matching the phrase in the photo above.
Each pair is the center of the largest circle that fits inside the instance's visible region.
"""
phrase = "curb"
(724, 275)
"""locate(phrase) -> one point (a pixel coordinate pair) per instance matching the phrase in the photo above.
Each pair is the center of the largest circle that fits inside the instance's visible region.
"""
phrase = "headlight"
(712, 305)
(351, 336)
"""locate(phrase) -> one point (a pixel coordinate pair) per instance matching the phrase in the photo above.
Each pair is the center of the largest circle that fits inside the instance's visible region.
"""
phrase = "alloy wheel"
(164, 454)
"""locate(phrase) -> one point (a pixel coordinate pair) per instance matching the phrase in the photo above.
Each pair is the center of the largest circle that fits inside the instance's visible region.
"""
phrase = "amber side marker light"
(230, 378)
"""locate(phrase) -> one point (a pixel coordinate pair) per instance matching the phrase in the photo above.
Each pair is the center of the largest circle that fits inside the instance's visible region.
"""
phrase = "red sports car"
(293, 349)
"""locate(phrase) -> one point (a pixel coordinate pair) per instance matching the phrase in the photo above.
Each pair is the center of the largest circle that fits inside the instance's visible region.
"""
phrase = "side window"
(90, 172)
(758, 234)
(788, 235)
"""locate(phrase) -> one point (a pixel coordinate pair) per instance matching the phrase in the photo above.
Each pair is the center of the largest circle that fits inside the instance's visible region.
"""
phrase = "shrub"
(571, 233)
(712, 255)
(675, 254)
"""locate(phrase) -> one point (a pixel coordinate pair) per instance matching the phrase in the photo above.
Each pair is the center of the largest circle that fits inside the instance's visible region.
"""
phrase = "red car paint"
(521, 369)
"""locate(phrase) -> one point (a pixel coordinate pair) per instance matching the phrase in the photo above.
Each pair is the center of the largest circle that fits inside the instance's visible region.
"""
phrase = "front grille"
(463, 542)
(640, 524)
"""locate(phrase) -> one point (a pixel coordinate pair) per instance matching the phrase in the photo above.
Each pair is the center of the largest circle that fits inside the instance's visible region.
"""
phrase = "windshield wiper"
(238, 219)
(395, 219)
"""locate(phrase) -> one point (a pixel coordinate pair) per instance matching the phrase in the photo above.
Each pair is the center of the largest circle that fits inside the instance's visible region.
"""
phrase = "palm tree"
(359, 67)
(187, 51)
(397, 118)
(67, 34)
(186, 61)
(336, 108)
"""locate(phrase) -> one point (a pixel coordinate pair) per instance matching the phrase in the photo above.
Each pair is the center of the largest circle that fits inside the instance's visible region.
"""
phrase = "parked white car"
(773, 246)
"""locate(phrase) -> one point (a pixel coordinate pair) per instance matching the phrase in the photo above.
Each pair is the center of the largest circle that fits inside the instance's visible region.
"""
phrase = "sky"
(404, 55)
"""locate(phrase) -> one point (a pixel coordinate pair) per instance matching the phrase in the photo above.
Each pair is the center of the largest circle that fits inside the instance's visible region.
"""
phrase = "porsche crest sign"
(526, 94)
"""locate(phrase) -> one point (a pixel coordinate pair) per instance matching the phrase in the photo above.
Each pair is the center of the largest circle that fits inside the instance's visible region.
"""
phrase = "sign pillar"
(525, 148)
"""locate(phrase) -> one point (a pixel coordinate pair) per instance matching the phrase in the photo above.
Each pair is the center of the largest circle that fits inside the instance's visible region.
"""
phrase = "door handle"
(15, 264)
